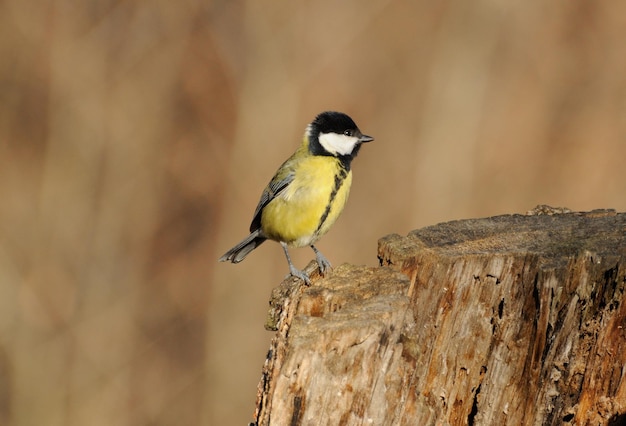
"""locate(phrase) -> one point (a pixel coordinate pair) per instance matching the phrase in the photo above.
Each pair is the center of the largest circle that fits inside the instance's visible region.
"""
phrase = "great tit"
(307, 193)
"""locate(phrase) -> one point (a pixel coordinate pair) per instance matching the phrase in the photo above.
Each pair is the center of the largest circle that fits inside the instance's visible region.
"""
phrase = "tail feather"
(241, 250)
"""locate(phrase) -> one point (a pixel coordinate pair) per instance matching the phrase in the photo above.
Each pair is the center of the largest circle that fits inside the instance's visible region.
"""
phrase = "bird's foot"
(295, 272)
(322, 262)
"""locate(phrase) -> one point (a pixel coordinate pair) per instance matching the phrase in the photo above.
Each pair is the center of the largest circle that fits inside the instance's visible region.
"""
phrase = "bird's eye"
(348, 132)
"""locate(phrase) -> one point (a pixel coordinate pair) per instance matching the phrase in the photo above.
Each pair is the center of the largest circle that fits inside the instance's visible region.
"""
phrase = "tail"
(241, 250)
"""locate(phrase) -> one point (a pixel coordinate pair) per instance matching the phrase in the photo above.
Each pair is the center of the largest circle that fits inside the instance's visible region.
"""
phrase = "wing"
(273, 190)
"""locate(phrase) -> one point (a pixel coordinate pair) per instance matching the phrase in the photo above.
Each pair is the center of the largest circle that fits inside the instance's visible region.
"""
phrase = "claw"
(293, 271)
(323, 263)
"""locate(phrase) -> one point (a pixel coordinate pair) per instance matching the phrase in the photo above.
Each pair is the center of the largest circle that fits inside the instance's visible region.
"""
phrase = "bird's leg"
(323, 263)
(295, 272)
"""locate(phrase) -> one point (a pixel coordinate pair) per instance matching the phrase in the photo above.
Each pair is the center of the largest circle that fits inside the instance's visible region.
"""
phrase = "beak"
(365, 138)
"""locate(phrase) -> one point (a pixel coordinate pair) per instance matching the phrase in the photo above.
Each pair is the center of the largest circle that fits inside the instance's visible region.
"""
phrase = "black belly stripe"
(339, 178)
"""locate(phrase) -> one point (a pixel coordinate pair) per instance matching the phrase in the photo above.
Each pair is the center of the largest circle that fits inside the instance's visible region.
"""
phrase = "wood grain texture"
(509, 320)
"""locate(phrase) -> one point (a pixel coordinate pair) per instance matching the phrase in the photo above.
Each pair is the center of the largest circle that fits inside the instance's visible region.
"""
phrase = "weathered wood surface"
(510, 320)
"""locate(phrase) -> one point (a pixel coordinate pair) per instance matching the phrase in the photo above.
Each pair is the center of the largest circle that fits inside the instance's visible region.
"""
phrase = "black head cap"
(333, 122)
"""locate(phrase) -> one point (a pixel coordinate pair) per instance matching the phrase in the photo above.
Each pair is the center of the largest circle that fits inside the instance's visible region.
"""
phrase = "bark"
(509, 320)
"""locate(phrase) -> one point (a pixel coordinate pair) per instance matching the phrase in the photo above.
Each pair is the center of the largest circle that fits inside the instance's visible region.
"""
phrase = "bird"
(307, 193)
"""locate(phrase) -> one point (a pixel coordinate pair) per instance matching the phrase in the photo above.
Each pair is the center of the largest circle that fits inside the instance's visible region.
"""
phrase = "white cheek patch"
(338, 144)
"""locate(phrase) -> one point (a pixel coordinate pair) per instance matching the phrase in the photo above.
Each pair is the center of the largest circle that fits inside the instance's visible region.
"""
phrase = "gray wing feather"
(273, 190)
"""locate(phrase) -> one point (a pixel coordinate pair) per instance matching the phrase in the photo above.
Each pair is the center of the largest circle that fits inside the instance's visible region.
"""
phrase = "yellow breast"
(310, 204)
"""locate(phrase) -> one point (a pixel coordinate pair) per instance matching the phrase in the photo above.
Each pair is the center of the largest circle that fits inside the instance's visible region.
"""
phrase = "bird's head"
(335, 133)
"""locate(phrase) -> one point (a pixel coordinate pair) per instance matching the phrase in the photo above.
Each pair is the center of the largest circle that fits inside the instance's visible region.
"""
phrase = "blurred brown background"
(136, 137)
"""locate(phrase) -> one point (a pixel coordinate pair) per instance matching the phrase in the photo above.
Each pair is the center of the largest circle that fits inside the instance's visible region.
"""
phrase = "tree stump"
(508, 320)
